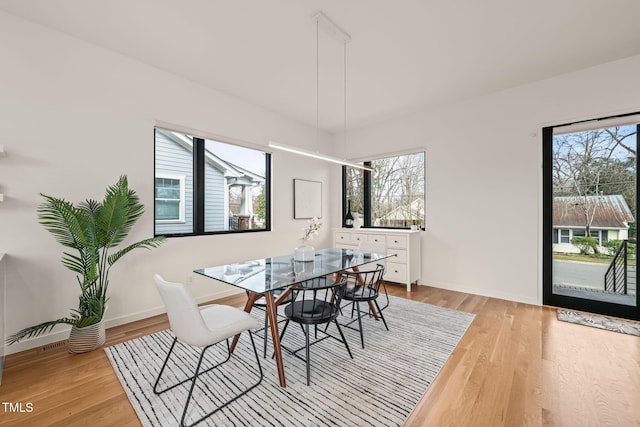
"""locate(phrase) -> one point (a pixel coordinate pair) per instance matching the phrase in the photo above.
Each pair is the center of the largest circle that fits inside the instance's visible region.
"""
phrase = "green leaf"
(42, 328)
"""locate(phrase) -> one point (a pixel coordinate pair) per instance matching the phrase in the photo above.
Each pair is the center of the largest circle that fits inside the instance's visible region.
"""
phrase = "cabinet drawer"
(344, 238)
(395, 272)
(358, 238)
(376, 238)
(400, 255)
(397, 242)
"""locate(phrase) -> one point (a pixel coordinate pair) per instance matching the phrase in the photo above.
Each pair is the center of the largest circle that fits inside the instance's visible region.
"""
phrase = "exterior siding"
(175, 160)
(215, 218)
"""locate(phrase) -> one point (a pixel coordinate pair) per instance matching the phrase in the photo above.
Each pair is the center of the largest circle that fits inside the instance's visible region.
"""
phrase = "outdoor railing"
(616, 276)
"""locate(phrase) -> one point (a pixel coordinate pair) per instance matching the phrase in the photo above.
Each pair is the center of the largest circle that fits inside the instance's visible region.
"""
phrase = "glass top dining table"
(261, 277)
(280, 272)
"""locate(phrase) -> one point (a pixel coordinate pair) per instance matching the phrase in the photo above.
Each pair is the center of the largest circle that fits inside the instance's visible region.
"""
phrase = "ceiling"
(404, 55)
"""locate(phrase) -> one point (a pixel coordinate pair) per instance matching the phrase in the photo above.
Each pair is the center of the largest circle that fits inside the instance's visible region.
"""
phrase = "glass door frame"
(571, 302)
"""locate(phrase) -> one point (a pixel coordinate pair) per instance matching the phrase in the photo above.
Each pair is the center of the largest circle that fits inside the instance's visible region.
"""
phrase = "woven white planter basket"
(82, 340)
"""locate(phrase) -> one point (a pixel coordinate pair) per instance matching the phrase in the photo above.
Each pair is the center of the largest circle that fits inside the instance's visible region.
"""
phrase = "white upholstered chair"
(202, 327)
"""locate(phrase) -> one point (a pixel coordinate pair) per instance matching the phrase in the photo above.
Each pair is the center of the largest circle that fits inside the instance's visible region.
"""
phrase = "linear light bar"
(325, 157)
(330, 27)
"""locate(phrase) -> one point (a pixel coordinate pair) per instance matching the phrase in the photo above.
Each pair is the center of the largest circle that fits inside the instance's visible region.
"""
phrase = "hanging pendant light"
(323, 21)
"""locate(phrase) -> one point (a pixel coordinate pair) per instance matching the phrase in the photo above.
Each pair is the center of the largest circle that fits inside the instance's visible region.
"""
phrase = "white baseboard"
(63, 333)
(485, 293)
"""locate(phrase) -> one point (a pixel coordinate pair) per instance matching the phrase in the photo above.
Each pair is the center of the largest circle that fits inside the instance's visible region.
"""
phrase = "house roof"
(236, 174)
(413, 210)
(609, 211)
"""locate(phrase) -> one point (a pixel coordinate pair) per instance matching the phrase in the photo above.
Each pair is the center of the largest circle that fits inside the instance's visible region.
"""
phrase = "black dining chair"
(315, 302)
(379, 247)
(363, 286)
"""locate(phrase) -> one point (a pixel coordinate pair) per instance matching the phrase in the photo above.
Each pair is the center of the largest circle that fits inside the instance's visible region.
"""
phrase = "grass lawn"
(599, 258)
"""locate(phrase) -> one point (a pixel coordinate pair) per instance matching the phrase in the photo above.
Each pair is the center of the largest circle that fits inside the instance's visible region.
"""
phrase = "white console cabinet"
(404, 267)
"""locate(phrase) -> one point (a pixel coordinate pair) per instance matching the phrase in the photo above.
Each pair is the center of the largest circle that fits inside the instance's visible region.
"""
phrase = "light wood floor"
(516, 366)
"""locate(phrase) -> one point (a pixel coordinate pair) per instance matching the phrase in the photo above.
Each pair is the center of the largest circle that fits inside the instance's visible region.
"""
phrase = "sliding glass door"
(590, 210)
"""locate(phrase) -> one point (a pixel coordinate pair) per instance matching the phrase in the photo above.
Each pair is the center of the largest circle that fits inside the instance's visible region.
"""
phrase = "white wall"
(73, 118)
(484, 163)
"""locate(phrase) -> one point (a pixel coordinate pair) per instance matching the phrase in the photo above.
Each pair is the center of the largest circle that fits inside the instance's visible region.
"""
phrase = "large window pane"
(226, 191)
(397, 191)
(392, 195)
(234, 187)
(173, 183)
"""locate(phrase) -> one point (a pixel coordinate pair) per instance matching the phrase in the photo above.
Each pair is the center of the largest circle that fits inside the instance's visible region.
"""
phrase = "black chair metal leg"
(155, 388)
(386, 294)
(193, 383)
(381, 315)
(308, 354)
(164, 365)
(344, 340)
(255, 352)
(265, 332)
(360, 323)
(198, 373)
(284, 329)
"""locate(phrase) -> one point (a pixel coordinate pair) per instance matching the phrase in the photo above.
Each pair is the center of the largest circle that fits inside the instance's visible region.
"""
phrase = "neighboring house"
(174, 188)
(610, 220)
(400, 216)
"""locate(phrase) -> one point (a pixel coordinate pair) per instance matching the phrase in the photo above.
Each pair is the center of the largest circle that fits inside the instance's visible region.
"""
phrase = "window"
(207, 186)
(391, 196)
(169, 198)
(566, 235)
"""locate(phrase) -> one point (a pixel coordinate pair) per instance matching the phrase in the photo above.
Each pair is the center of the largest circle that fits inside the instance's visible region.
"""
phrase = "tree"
(260, 204)
(592, 163)
(395, 182)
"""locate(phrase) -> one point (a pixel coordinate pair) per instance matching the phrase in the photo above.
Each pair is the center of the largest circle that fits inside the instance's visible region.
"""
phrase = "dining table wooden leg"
(275, 336)
(252, 297)
(273, 325)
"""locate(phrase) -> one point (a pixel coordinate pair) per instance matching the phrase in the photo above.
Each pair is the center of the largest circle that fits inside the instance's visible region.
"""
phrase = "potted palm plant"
(94, 230)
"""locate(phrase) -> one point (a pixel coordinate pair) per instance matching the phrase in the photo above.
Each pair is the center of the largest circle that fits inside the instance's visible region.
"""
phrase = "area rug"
(379, 386)
(600, 322)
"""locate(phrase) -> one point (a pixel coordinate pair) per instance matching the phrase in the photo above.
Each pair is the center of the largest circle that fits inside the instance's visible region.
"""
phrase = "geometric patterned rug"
(380, 386)
(602, 322)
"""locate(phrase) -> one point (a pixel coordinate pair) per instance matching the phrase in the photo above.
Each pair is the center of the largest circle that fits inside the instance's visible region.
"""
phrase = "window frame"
(366, 185)
(181, 201)
(199, 177)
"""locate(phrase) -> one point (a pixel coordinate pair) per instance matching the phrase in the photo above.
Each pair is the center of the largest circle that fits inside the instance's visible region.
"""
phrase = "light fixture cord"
(345, 98)
(317, 83)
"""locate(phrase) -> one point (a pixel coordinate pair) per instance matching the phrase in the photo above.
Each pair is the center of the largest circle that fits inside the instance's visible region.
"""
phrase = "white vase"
(304, 253)
(82, 340)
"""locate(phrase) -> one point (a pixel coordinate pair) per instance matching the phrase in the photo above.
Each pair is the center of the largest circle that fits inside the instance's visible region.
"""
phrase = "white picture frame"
(307, 199)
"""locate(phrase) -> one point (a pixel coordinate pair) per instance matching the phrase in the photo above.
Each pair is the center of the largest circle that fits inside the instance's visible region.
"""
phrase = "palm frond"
(121, 209)
(42, 328)
(68, 224)
(152, 242)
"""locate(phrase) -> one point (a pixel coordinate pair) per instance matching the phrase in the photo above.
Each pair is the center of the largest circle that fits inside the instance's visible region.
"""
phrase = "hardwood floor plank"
(517, 365)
